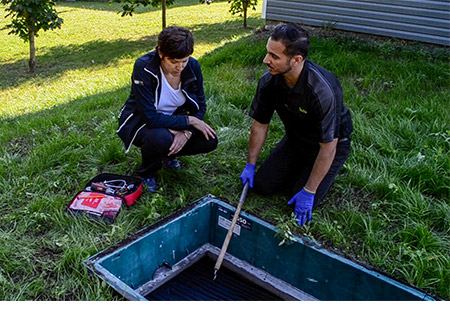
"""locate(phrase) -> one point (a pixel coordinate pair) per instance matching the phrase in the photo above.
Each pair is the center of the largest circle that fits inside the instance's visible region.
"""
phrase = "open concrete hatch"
(174, 259)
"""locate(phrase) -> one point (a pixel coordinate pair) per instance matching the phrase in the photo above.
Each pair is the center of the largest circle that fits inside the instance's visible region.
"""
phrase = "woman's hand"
(202, 126)
(179, 140)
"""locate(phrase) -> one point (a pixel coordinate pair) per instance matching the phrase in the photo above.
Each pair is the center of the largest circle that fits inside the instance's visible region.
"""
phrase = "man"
(163, 115)
(309, 101)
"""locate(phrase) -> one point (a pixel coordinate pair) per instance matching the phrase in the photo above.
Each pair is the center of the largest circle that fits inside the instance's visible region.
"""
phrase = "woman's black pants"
(155, 143)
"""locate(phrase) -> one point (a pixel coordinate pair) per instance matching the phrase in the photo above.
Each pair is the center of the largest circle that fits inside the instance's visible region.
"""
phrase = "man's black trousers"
(288, 166)
(155, 144)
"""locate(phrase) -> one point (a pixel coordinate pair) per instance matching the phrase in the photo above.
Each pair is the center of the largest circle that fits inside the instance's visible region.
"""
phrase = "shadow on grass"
(209, 33)
(116, 7)
(60, 59)
(87, 122)
(102, 6)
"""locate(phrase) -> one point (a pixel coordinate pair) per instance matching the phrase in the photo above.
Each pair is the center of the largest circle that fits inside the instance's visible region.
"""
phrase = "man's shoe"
(172, 163)
(150, 183)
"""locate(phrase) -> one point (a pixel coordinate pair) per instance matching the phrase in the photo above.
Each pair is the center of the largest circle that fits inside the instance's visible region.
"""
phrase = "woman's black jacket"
(140, 108)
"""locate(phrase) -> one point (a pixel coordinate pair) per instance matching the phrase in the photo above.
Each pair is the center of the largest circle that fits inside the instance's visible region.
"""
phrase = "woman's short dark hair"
(175, 42)
(294, 38)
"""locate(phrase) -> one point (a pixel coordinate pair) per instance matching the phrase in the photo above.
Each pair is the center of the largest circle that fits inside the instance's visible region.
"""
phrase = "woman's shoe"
(150, 183)
(172, 163)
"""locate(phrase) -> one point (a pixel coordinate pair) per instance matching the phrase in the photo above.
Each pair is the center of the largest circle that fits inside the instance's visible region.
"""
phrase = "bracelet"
(309, 191)
(188, 136)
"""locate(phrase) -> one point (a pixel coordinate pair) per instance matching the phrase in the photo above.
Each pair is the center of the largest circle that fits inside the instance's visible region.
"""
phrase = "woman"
(164, 112)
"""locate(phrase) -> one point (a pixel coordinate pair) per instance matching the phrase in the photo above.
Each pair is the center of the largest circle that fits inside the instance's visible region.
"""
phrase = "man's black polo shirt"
(312, 111)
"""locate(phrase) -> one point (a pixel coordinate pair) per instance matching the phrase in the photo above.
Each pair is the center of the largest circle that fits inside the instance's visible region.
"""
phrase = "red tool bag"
(104, 195)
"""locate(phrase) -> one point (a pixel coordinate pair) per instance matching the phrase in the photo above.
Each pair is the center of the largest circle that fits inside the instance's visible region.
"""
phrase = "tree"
(28, 18)
(129, 6)
(241, 6)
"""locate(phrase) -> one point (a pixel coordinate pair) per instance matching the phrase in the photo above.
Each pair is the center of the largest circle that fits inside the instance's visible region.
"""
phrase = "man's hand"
(202, 126)
(179, 140)
(304, 202)
(248, 174)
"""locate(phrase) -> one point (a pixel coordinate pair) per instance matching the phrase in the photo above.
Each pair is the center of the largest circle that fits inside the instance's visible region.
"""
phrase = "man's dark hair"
(175, 42)
(294, 38)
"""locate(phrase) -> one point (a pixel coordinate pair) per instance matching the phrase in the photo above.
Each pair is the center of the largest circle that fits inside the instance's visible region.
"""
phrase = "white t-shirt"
(170, 98)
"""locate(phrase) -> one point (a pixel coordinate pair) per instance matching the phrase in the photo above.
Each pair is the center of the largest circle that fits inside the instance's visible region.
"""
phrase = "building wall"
(425, 21)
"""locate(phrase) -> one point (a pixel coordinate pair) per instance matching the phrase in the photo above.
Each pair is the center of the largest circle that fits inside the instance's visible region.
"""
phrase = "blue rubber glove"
(248, 174)
(304, 202)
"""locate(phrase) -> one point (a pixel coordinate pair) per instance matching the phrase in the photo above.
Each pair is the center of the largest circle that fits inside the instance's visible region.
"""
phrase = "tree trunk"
(163, 5)
(32, 62)
(245, 14)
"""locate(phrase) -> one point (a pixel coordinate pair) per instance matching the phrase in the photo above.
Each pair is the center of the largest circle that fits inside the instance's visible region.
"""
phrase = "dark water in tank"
(196, 283)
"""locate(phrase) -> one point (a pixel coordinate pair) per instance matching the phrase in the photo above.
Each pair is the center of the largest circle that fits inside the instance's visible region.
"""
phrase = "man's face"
(276, 60)
(173, 66)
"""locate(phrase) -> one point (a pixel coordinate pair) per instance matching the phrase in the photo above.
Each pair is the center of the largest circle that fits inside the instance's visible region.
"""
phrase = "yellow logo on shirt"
(302, 110)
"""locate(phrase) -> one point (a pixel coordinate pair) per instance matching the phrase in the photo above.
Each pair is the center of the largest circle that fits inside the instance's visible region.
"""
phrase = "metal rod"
(230, 231)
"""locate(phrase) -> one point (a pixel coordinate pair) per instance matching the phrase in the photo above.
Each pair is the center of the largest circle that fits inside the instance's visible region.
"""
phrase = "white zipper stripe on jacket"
(121, 110)
(157, 86)
(124, 122)
(184, 91)
(131, 143)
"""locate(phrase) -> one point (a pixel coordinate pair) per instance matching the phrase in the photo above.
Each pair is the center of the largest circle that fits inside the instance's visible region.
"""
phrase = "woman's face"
(173, 66)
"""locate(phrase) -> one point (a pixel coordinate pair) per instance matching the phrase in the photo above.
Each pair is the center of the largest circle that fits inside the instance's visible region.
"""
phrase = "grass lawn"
(389, 208)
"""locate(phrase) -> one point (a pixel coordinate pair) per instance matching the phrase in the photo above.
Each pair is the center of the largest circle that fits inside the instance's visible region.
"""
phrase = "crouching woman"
(163, 115)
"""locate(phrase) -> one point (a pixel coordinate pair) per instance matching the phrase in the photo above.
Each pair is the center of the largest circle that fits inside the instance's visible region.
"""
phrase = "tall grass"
(388, 208)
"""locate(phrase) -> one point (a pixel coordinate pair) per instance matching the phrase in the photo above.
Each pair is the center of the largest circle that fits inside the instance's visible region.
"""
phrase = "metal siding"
(425, 21)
